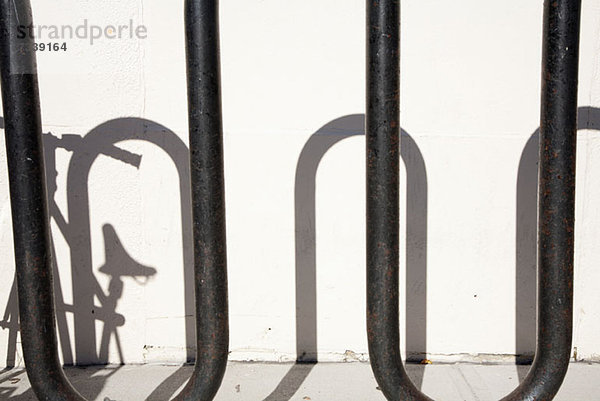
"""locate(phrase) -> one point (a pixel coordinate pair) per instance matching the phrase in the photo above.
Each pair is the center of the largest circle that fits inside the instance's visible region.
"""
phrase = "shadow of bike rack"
(555, 202)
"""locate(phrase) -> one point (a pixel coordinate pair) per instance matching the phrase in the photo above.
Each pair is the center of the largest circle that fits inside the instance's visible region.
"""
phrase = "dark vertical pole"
(208, 198)
(383, 150)
(556, 213)
(20, 100)
(556, 202)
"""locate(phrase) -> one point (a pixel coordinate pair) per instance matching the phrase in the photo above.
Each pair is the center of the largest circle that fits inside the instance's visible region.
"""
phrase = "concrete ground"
(321, 382)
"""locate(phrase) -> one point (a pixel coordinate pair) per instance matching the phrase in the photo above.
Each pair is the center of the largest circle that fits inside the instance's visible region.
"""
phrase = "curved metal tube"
(21, 104)
(556, 201)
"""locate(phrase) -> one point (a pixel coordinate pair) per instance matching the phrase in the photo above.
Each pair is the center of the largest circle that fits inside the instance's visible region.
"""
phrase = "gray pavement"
(321, 382)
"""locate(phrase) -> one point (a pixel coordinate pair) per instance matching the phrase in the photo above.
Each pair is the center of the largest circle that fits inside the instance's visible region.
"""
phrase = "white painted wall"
(293, 88)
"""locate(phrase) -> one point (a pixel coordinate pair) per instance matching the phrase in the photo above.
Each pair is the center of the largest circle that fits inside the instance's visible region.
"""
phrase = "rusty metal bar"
(20, 98)
(556, 201)
(23, 130)
(208, 197)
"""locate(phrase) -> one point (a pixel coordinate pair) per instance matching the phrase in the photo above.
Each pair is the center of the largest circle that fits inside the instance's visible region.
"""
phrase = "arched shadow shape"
(101, 140)
(76, 231)
(526, 250)
(305, 219)
(113, 250)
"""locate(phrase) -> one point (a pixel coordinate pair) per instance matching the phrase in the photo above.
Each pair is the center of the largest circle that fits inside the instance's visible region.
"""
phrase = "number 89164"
(50, 47)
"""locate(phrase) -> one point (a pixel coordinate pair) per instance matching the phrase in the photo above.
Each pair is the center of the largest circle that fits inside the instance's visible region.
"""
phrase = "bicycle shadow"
(91, 302)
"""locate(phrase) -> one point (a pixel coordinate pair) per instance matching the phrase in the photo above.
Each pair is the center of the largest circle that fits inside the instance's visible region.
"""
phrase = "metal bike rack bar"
(23, 128)
(556, 201)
